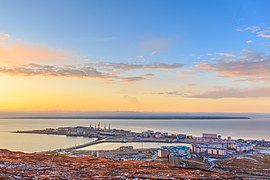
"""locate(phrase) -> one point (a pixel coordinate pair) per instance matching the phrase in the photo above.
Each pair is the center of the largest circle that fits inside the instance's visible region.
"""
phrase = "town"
(208, 152)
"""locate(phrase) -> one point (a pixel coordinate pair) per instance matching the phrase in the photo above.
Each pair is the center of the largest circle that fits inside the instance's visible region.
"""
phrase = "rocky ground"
(253, 165)
(17, 165)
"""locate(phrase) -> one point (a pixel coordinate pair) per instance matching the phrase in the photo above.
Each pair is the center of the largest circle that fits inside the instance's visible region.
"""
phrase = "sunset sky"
(124, 55)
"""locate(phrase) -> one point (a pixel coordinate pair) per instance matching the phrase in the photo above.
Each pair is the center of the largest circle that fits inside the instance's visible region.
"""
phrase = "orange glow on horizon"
(47, 94)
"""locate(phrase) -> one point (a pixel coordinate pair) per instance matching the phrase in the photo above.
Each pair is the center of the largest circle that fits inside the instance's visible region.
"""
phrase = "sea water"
(254, 128)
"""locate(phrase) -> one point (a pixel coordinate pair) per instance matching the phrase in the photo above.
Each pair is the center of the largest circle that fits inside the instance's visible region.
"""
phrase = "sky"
(127, 55)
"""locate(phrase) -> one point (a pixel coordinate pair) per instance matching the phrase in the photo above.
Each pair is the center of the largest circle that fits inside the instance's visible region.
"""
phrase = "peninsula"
(128, 117)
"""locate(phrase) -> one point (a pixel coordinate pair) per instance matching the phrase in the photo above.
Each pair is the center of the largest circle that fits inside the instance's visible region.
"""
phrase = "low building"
(181, 136)
(244, 147)
(148, 133)
(163, 153)
(175, 159)
(216, 152)
(204, 150)
(158, 135)
(181, 150)
(166, 134)
(172, 159)
(213, 141)
(197, 149)
(123, 150)
(206, 135)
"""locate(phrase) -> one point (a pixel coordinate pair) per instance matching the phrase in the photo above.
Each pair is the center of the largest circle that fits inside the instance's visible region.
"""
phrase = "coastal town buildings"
(244, 147)
(214, 145)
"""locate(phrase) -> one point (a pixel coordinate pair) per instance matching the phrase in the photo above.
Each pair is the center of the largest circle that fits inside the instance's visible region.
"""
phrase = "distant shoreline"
(129, 117)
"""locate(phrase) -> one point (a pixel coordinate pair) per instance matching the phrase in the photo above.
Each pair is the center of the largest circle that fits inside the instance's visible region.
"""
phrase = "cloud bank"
(127, 66)
(52, 70)
(260, 92)
(251, 65)
(21, 59)
(262, 32)
(235, 93)
(73, 71)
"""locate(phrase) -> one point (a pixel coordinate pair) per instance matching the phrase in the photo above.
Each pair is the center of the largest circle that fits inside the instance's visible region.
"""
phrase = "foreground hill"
(17, 165)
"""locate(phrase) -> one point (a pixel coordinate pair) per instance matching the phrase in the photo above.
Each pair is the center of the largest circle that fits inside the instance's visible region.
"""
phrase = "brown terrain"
(18, 165)
(256, 166)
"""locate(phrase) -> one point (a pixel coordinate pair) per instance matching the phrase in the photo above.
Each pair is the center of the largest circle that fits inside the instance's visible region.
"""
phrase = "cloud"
(130, 99)
(136, 78)
(52, 70)
(127, 66)
(130, 79)
(254, 28)
(174, 93)
(264, 34)
(65, 71)
(218, 93)
(28, 53)
(154, 53)
(4, 36)
(138, 59)
(249, 42)
(227, 54)
(163, 66)
(263, 92)
(251, 65)
(102, 70)
(148, 75)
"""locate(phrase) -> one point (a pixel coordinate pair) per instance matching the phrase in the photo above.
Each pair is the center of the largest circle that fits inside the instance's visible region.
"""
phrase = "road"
(115, 140)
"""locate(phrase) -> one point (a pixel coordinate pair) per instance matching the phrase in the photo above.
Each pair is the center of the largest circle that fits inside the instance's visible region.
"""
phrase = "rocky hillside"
(17, 165)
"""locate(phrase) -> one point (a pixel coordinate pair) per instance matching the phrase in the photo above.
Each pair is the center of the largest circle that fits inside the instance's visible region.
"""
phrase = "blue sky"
(117, 30)
(203, 52)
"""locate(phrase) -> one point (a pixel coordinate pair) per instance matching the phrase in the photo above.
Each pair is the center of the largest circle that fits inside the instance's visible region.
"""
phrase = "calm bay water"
(255, 128)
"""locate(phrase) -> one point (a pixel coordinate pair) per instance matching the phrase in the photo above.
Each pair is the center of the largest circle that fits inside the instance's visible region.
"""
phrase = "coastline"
(130, 117)
(31, 143)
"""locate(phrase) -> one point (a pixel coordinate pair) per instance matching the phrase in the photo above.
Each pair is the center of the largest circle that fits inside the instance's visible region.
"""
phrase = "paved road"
(113, 140)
